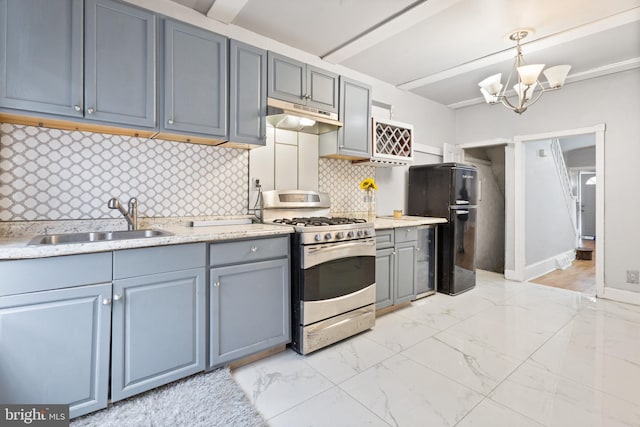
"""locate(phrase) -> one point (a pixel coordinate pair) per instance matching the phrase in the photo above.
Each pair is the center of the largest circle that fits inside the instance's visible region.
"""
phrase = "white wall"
(611, 100)
(582, 157)
(548, 224)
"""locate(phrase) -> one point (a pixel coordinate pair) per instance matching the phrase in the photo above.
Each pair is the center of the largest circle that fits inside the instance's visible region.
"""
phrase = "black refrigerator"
(449, 190)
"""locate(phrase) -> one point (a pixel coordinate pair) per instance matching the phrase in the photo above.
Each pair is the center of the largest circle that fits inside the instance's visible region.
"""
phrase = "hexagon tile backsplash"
(341, 179)
(51, 174)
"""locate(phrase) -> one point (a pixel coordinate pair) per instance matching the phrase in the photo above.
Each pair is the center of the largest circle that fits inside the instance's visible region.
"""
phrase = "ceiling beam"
(395, 25)
(626, 17)
(226, 10)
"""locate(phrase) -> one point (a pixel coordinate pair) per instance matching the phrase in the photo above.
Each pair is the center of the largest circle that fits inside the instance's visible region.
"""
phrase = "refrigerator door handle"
(461, 212)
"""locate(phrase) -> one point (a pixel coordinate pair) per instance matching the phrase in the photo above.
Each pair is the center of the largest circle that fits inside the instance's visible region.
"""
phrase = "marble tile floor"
(504, 354)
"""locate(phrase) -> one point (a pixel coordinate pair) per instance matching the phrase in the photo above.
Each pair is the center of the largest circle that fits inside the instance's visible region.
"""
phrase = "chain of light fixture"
(494, 91)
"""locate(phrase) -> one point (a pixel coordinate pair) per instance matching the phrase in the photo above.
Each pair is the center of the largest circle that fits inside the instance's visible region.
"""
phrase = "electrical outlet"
(633, 276)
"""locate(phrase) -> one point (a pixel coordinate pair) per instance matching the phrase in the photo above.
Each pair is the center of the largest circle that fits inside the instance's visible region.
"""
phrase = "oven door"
(336, 278)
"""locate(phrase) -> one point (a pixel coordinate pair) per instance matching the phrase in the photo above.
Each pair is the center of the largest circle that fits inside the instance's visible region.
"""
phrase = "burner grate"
(319, 221)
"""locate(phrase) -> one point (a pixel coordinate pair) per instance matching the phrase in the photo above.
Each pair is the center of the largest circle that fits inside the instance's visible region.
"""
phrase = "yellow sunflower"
(367, 184)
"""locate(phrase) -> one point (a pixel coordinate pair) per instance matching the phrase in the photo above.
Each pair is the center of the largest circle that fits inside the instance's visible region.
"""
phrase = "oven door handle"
(319, 254)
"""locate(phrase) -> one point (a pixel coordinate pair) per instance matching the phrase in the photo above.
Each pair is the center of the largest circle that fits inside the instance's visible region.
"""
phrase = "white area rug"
(210, 399)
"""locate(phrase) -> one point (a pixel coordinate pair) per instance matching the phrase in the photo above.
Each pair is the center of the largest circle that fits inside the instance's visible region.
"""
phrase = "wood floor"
(581, 276)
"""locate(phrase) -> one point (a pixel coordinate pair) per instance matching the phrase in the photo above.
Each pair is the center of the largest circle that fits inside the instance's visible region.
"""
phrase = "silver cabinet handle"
(77, 107)
(216, 285)
(254, 248)
(460, 212)
(118, 297)
(417, 249)
(170, 121)
(106, 301)
(90, 110)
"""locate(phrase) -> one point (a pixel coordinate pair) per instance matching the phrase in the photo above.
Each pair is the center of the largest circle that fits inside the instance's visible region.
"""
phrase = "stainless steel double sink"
(95, 236)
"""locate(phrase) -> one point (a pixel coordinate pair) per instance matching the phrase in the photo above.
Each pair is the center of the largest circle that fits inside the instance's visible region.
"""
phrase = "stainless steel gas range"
(333, 268)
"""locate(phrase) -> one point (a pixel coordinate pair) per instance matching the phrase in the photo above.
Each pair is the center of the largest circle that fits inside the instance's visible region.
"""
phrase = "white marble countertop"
(17, 247)
(406, 221)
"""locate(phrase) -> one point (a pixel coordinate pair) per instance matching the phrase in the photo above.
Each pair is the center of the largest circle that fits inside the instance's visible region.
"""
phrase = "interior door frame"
(519, 199)
(515, 236)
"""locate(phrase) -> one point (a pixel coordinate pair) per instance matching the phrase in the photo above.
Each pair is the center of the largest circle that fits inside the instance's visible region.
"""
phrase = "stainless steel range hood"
(300, 118)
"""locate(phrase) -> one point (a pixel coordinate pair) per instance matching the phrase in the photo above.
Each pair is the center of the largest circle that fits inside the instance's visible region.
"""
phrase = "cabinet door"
(249, 309)
(120, 58)
(247, 94)
(354, 138)
(287, 79)
(405, 272)
(54, 348)
(158, 330)
(322, 89)
(41, 63)
(195, 80)
(385, 278)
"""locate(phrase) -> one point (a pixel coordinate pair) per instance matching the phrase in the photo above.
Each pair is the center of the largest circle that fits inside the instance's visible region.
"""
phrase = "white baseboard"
(621, 295)
(511, 275)
(548, 265)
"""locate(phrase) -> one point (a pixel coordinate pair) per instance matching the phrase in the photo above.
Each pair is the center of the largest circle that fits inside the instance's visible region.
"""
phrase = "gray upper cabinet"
(295, 81)
(120, 63)
(322, 89)
(194, 80)
(41, 60)
(247, 94)
(354, 138)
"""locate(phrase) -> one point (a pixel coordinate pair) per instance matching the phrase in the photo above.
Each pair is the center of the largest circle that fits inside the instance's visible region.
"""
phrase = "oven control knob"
(350, 234)
(339, 235)
(327, 236)
(318, 237)
(365, 232)
(360, 233)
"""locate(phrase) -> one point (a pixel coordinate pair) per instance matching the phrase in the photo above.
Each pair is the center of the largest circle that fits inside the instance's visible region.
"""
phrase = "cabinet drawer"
(384, 238)
(41, 274)
(248, 250)
(158, 259)
(406, 234)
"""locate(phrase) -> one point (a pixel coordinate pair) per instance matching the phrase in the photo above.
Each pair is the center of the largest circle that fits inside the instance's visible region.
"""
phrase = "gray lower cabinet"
(158, 322)
(120, 63)
(194, 80)
(395, 266)
(353, 139)
(295, 81)
(385, 277)
(41, 60)
(55, 321)
(247, 94)
(249, 298)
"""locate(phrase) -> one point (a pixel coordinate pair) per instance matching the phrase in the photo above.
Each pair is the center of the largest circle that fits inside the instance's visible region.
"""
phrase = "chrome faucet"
(131, 215)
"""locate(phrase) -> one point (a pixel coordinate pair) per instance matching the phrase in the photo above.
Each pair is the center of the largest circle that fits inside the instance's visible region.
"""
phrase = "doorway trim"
(519, 199)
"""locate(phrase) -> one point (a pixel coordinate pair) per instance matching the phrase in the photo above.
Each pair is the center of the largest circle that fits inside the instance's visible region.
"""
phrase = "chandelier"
(525, 88)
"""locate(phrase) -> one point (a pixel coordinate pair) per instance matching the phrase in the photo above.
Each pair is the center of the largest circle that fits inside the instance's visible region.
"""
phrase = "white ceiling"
(441, 49)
